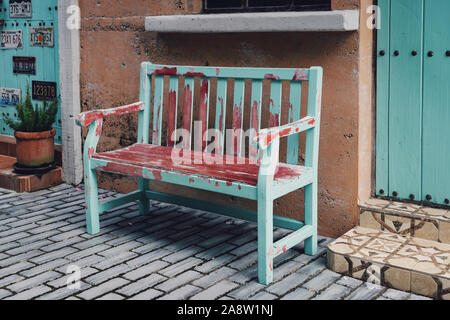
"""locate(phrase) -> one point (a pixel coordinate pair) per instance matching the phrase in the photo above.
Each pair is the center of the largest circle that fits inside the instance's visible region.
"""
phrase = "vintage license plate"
(9, 97)
(41, 37)
(43, 90)
(20, 9)
(11, 39)
(24, 65)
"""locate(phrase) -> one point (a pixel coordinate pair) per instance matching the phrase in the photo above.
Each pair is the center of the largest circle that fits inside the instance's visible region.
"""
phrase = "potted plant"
(34, 132)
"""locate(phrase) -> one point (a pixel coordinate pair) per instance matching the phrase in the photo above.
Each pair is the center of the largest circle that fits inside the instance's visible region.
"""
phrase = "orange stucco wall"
(114, 43)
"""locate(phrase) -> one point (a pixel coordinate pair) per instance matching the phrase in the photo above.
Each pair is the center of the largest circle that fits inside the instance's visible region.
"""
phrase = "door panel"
(436, 102)
(382, 137)
(405, 98)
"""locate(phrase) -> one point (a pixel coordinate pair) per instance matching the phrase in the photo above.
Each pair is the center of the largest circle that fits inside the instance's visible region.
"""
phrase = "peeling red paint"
(237, 117)
(270, 76)
(312, 122)
(203, 112)
(221, 114)
(299, 75)
(91, 152)
(217, 71)
(86, 118)
(270, 258)
(217, 184)
(239, 187)
(291, 113)
(156, 129)
(229, 183)
(165, 71)
(194, 74)
(187, 107)
(157, 175)
(274, 120)
(172, 113)
(191, 180)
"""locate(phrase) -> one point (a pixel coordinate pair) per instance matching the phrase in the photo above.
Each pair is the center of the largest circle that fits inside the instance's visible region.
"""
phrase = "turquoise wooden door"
(44, 13)
(413, 102)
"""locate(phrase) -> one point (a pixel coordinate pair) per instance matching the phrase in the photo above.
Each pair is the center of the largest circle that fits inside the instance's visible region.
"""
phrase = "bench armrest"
(266, 136)
(86, 118)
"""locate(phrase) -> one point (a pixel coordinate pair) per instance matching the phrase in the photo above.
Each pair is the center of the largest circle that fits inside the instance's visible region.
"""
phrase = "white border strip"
(69, 76)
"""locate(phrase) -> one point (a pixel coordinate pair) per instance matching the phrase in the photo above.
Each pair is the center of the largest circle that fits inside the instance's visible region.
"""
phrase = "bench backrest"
(162, 103)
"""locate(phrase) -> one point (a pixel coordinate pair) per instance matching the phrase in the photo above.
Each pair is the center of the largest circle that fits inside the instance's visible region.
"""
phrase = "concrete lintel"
(336, 20)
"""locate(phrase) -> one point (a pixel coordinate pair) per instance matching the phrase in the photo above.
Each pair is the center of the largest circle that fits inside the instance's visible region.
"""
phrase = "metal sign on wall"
(20, 9)
(11, 39)
(43, 90)
(41, 37)
(9, 97)
(24, 65)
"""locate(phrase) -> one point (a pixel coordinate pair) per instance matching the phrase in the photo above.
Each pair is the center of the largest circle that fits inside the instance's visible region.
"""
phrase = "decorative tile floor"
(171, 253)
(401, 262)
(406, 219)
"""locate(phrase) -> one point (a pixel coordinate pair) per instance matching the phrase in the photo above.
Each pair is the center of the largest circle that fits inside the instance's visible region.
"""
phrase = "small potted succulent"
(34, 132)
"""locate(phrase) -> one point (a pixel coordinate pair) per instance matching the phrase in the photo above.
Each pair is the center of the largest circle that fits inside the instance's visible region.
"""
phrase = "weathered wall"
(114, 43)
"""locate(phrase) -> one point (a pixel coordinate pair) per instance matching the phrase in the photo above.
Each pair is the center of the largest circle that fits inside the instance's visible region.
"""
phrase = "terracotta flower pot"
(35, 149)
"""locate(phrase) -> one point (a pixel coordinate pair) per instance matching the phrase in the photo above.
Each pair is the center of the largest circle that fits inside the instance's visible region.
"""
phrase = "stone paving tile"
(30, 293)
(263, 295)
(216, 276)
(299, 294)
(287, 284)
(322, 280)
(33, 281)
(145, 270)
(246, 291)
(178, 281)
(366, 291)
(333, 292)
(172, 253)
(149, 294)
(102, 289)
(215, 291)
(140, 285)
(181, 293)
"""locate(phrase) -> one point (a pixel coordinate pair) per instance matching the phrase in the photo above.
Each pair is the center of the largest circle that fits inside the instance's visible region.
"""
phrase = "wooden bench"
(256, 174)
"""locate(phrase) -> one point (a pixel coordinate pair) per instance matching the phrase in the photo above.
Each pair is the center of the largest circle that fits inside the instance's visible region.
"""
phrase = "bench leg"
(92, 205)
(311, 217)
(144, 202)
(265, 240)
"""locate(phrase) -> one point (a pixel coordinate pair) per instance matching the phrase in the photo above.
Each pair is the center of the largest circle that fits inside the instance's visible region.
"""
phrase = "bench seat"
(238, 175)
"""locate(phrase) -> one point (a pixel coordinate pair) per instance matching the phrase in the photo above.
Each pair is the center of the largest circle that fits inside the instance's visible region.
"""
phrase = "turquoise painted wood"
(47, 59)
(405, 98)
(412, 101)
(436, 103)
(264, 179)
(382, 112)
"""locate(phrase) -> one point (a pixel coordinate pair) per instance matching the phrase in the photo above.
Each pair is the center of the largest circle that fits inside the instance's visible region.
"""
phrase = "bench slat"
(290, 74)
(255, 116)
(158, 109)
(221, 112)
(295, 97)
(275, 103)
(238, 114)
(188, 111)
(173, 110)
(203, 114)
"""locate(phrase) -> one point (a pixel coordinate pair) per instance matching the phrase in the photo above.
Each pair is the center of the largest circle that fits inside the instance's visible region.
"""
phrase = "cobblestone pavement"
(171, 253)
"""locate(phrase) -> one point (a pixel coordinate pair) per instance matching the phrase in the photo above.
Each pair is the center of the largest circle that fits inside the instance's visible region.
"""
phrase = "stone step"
(406, 219)
(401, 262)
